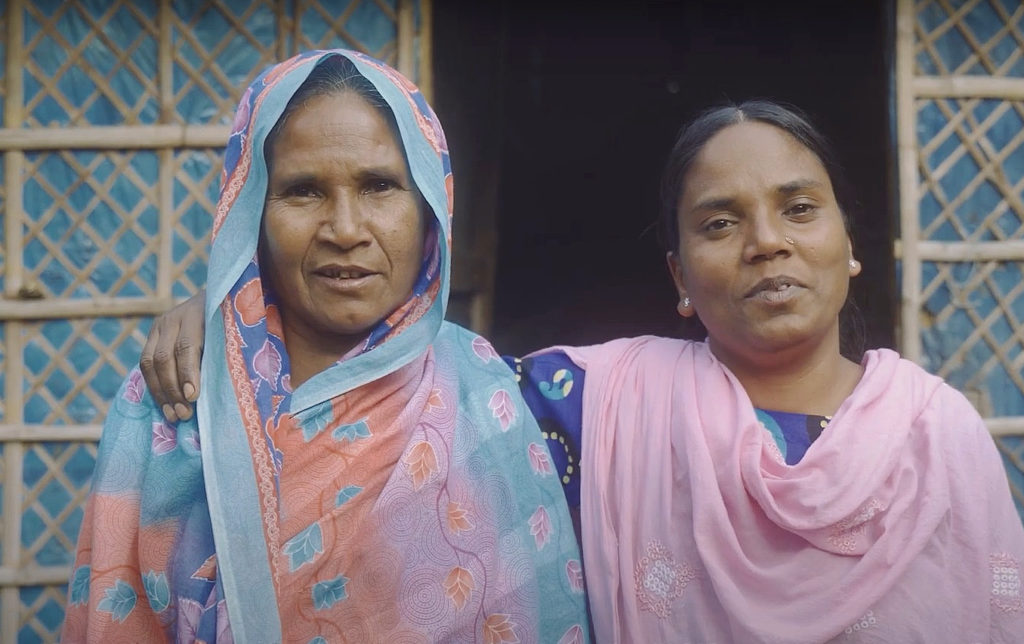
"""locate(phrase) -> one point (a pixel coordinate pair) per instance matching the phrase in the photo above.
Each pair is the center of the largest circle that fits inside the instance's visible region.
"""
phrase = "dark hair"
(695, 135)
(692, 139)
(331, 76)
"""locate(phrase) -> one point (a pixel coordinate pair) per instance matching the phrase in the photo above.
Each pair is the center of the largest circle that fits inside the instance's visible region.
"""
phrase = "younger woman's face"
(763, 252)
(343, 234)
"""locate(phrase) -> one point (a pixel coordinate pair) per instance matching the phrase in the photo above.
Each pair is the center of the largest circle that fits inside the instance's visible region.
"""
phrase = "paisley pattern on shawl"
(387, 498)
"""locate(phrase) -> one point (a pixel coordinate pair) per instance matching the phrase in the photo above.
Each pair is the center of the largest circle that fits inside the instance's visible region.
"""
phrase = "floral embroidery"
(134, 388)
(572, 636)
(498, 628)
(540, 526)
(502, 408)
(659, 579)
(119, 601)
(157, 591)
(866, 621)
(459, 585)
(847, 532)
(330, 592)
(1006, 586)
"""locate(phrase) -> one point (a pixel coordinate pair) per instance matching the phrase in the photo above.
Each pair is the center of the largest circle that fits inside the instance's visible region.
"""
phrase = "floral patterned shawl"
(396, 496)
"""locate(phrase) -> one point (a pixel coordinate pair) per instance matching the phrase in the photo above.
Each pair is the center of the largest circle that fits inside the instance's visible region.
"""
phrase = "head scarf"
(391, 497)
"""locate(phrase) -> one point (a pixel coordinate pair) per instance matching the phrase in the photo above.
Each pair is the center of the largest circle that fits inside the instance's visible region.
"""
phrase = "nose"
(343, 221)
(766, 238)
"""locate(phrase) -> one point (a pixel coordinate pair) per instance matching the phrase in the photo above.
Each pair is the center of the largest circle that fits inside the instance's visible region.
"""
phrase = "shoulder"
(614, 351)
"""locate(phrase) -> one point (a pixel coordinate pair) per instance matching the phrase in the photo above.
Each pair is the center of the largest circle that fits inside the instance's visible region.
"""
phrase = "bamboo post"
(14, 451)
(165, 179)
(908, 330)
(426, 41)
(406, 35)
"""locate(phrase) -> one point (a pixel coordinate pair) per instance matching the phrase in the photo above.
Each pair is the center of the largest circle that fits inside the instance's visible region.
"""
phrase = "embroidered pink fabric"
(896, 526)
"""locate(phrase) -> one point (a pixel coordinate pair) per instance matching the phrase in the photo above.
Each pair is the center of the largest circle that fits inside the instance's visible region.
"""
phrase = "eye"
(379, 185)
(800, 209)
(717, 224)
(301, 191)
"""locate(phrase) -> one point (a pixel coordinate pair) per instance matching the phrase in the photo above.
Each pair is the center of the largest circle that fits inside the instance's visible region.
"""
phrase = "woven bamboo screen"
(114, 114)
(960, 121)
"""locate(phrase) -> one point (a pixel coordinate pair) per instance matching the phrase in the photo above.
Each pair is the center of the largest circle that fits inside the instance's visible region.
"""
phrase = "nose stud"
(789, 240)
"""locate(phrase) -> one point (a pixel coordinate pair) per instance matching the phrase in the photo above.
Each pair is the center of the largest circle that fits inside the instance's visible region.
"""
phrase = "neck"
(309, 356)
(799, 379)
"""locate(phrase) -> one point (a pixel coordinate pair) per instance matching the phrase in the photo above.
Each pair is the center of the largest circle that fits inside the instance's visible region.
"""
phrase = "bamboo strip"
(30, 576)
(908, 329)
(13, 456)
(1009, 250)
(1005, 425)
(23, 432)
(116, 137)
(425, 80)
(1011, 89)
(406, 38)
(165, 179)
(85, 308)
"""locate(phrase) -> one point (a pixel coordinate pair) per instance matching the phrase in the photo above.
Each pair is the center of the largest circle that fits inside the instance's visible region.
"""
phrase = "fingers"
(170, 359)
(148, 368)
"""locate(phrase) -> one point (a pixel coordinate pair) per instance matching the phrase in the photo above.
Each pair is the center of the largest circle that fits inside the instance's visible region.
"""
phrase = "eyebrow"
(786, 189)
(798, 185)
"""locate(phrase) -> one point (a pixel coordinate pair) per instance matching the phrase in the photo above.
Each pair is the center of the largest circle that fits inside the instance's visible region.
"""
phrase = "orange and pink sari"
(395, 497)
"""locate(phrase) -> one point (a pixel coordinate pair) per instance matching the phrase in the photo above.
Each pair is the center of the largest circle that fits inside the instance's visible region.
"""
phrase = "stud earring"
(683, 307)
(853, 263)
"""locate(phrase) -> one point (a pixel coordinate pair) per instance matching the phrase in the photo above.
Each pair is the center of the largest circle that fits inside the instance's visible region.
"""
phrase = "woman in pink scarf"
(759, 486)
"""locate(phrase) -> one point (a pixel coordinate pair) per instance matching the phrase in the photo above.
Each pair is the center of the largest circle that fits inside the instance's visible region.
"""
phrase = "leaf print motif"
(80, 585)
(249, 303)
(435, 401)
(304, 547)
(539, 459)
(165, 438)
(540, 526)
(458, 519)
(352, 432)
(458, 585)
(330, 592)
(572, 636)
(119, 601)
(498, 628)
(157, 591)
(224, 635)
(189, 614)
(316, 420)
(267, 364)
(421, 463)
(346, 493)
(483, 350)
(134, 387)
(503, 408)
(274, 326)
(192, 439)
(574, 571)
(208, 570)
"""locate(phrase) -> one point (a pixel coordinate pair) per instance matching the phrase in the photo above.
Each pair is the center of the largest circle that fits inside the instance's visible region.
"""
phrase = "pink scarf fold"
(896, 526)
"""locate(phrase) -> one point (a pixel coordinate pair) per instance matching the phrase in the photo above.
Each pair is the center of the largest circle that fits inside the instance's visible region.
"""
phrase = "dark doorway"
(560, 116)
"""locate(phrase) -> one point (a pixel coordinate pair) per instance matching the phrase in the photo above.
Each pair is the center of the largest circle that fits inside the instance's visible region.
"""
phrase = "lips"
(340, 272)
(774, 286)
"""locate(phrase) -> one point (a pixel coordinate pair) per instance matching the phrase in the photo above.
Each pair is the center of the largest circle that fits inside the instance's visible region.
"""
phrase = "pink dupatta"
(897, 526)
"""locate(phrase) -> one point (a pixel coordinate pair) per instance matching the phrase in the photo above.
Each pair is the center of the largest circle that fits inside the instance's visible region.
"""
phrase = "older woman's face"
(763, 252)
(343, 234)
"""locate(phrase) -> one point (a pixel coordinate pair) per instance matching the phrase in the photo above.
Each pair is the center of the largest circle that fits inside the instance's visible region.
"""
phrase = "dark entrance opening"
(560, 116)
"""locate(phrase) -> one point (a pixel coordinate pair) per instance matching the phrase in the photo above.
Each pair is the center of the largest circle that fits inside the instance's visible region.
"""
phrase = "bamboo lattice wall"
(114, 114)
(960, 122)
